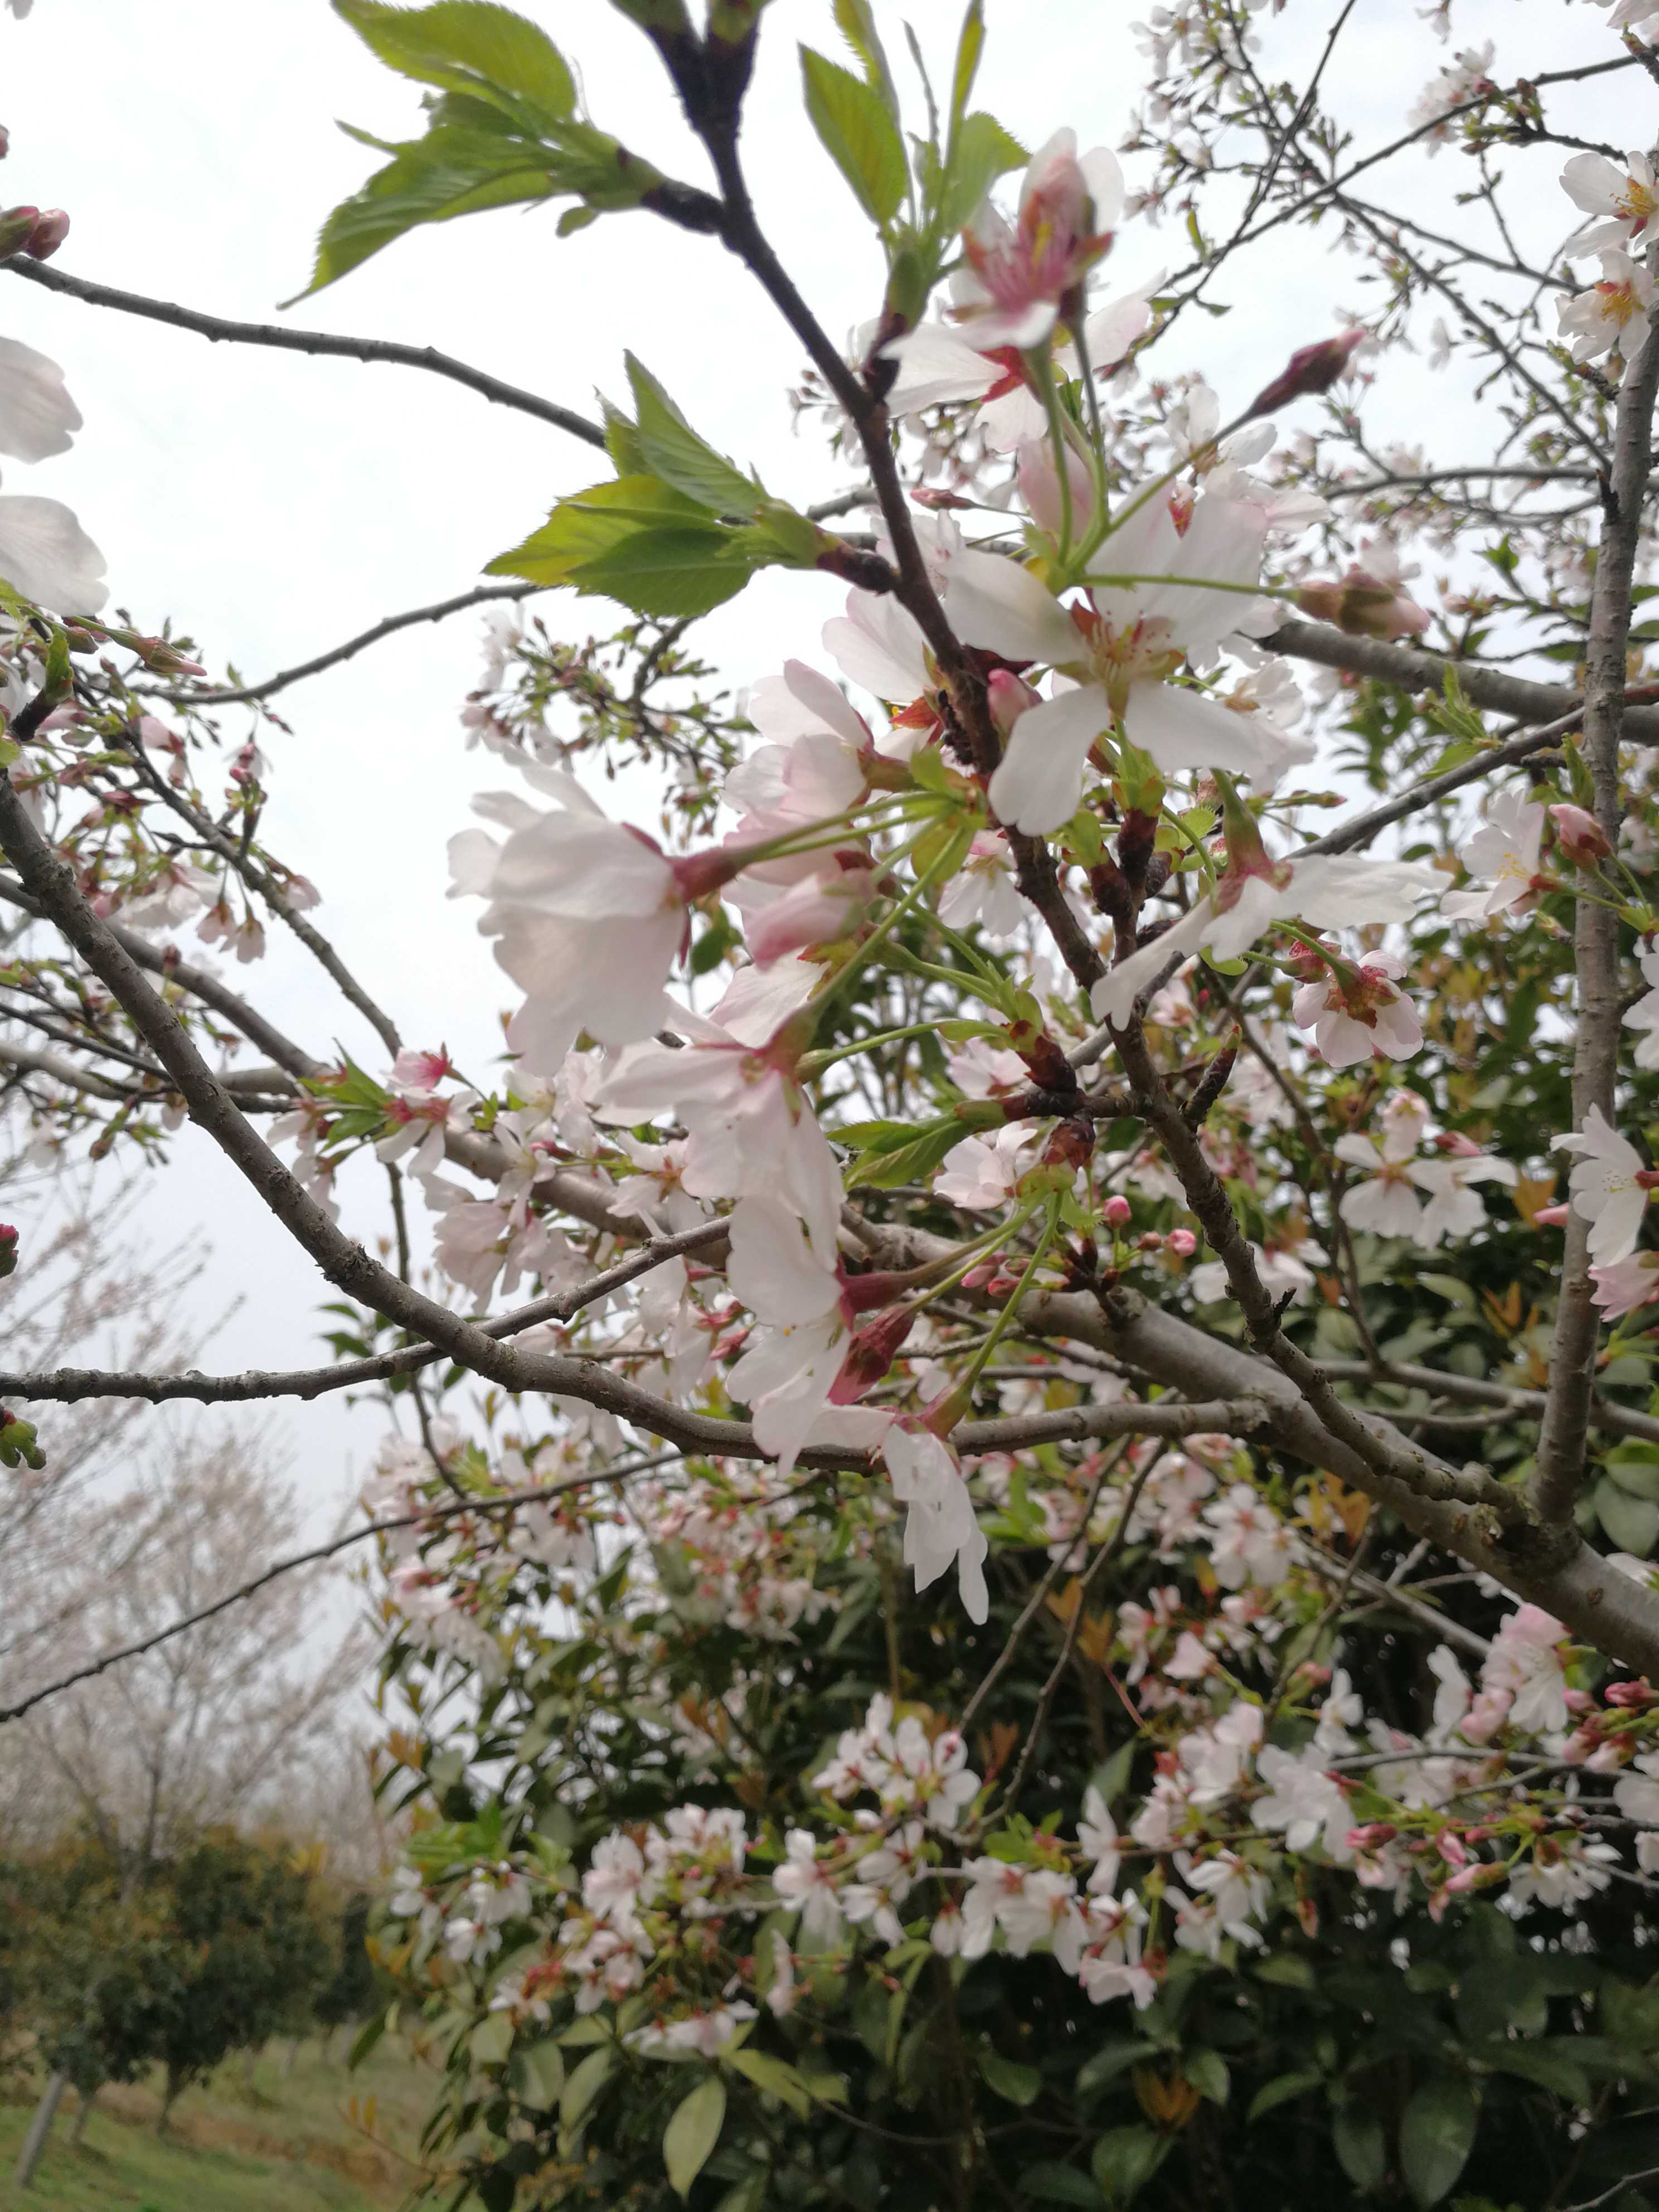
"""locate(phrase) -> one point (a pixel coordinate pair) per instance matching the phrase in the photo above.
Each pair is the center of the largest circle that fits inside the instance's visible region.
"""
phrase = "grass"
(282, 2142)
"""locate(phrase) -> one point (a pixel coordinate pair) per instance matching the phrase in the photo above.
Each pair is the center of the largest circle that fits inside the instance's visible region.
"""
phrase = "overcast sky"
(273, 504)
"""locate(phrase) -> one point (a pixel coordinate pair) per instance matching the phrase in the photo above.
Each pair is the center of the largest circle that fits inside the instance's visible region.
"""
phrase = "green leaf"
(858, 135)
(1554, 2069)
(913, 1162)
(1020, 2085)
(1054, 2184)
(576, 2100)
(594, 522)
(449, 172)
(492, 2038)
(540, 2065)
(1631, 1522)
(673, 451)
(777, 2078)
(692, 2133)
(1207, 2072)
(971, 44)
(470, 46)
(982, 152)
(1436, 2134)
(1281, 2091)
(672, 572)
(1114, 2058)
(856, 21)
(1361, 2147)
(1126, 2159)
(1286, 1971)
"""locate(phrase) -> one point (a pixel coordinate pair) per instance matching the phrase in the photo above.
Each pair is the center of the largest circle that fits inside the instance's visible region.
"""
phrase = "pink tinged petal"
(1039, 780)
(47, 558)
(994, 603)
(880, 644)
(1182, 729)
(1112, 330)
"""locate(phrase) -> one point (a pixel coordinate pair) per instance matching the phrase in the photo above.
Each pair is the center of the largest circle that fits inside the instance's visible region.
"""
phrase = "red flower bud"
(1310, 368)
(1117, 1213)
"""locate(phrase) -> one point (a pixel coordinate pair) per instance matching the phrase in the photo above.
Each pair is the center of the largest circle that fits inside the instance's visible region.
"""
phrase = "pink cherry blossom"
(1358, 1013)
(1019, 278)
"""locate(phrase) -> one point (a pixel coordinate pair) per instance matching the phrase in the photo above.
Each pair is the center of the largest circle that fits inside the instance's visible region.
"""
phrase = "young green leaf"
(856, 19)
(857, 134)
(980, 152)
(674, 452)
(471, 46)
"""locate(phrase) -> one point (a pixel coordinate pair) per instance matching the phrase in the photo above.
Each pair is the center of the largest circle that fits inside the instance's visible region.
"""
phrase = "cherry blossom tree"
(1015, 1527)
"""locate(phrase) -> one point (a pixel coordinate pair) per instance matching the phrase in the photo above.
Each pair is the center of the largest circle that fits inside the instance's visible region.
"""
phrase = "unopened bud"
(1008, 699)
(17, 228)
(1363, 607)
(48, 234)
(1183, 1243)
(1310, 368)
(1117, 1213)
(1579, 835)
(1372, 1836)
(1631, 1697)
(8, 1249)
(1072, 1145)
(1551, 1217)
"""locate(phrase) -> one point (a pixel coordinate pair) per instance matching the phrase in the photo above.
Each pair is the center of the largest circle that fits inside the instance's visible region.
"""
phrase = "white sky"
(273, 504)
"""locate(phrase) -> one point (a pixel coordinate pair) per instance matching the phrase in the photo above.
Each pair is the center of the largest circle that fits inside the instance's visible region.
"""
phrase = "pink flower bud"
(8, 1249)
(1151, 1242)
(1310, 368)
(1363, 606)
(50, 231)
(871, 1354)
(1008, 699)
(1551, 1217)
(1577, 1701)
(1629, 1697)
(1372, 1836)
(1117, 1213)
(1183, 1243)
(1579, 835)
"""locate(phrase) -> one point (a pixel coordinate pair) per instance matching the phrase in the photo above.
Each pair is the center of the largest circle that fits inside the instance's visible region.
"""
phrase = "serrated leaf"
(982, 152)
(693, 2132)
(856, 21)
(970, 45)
(908, 1163)
(856, 130)
(470, 46)
(673, 451)
(672, 573)
(1436, 2134)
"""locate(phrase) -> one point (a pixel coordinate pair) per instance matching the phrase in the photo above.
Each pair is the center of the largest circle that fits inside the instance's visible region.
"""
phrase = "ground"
(284, 2143)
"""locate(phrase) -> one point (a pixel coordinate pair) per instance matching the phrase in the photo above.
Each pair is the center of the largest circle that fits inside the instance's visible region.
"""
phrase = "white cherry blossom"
(941, 1529)
(1611, 316)
(1627, 198)
(1506, 849)
(1608, 1186)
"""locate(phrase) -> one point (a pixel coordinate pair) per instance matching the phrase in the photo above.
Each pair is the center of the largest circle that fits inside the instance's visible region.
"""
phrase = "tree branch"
(1559, 1476)
(218, 327)
(1413, 670)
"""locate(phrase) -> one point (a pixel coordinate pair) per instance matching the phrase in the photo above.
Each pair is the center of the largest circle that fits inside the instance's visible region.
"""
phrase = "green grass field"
(283, 2143)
